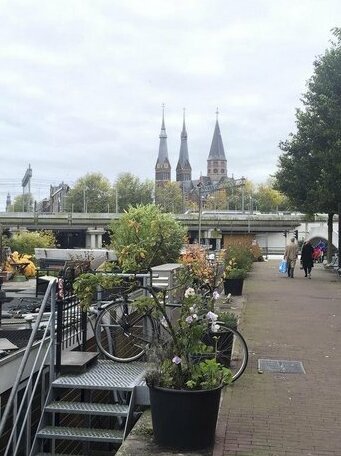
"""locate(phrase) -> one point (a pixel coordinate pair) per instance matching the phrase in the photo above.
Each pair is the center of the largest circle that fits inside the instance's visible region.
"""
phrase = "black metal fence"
(71, 322)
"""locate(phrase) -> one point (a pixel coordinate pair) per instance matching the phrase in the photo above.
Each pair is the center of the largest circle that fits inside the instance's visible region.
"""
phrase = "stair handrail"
(47, 352)
(50, 291)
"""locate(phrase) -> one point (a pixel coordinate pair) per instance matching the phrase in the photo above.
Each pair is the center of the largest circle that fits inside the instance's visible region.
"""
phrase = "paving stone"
(286, 414)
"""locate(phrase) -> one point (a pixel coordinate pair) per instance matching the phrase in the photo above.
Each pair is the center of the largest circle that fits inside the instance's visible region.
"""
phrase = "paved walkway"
(276, 414)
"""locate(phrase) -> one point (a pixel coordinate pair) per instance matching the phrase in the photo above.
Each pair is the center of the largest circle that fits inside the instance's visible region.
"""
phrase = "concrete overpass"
(89, 229)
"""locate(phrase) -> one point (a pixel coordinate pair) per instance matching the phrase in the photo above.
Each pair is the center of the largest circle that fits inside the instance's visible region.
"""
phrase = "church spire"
(162, 167)
(163, 133)
(184, 132)
(216, 162)
(183, 168)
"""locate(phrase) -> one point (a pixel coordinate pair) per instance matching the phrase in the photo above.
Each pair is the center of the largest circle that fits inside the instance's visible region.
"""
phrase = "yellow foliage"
(195, 259)
(15, 259)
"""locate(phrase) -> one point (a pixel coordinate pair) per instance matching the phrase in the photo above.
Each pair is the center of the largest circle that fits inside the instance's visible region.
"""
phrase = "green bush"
(240, 255)
(24, 242)
(234, 273)
(229, 319)
(144, 237)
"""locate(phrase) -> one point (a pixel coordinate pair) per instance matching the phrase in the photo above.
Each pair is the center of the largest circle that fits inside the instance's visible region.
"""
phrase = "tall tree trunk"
(330, 236)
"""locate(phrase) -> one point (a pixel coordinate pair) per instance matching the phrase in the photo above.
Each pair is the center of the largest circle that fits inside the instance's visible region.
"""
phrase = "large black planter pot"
(233, 286)
(182, 419)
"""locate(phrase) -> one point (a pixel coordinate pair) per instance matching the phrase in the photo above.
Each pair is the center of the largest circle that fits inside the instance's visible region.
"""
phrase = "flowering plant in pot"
(233, 277)
(240, 254)
(235, 273)
(186, 380)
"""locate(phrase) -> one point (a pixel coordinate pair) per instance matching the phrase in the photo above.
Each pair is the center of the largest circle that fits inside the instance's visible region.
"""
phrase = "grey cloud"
(82, 82)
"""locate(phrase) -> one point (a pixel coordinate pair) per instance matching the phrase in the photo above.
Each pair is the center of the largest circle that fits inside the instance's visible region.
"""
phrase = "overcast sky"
(82, 83)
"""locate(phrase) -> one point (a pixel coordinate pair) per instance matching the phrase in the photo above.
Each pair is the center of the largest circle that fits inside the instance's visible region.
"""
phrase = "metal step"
(105, 375)
(93, 453)
(87, 408)
(77, 361)
(81, 434)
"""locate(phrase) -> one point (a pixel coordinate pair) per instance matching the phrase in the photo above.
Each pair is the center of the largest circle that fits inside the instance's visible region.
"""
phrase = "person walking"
(307, 258)
(290, 255)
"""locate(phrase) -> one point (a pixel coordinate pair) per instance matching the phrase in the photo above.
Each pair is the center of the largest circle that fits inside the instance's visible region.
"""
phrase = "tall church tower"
(183, 168)
(162, 167)
(216, 162)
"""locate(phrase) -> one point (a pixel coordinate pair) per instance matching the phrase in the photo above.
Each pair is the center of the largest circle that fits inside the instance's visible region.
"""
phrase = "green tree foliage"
(236, 193)
(144, 237)
(131, 191)
(169, 198)
(216, 200)
(267, 199)
(310, 166)
(24, 242)
(91, 193)
(22, 203)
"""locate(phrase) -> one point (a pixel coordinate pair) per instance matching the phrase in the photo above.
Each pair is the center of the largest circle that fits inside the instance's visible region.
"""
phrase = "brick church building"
(216, 163)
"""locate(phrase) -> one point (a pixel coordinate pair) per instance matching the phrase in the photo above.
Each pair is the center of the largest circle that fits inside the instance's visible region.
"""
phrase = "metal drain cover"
(277, 365)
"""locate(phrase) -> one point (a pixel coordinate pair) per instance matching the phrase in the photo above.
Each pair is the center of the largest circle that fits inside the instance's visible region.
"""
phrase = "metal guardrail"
(71, 330)
(45, 350)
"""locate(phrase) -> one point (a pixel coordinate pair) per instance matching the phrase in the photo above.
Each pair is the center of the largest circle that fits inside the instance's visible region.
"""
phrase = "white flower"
(163, 322)
(189, 292)
(189, 319)
(195, 316)
(176, 360)
(215, 294)
(215, 327)
(192, 309)
(211, 316)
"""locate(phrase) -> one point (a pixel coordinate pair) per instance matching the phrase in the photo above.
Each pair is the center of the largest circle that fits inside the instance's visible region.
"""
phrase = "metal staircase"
(94, 409)
(63, 400)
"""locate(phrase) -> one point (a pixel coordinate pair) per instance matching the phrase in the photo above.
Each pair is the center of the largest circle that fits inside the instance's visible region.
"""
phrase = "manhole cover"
(277, 365)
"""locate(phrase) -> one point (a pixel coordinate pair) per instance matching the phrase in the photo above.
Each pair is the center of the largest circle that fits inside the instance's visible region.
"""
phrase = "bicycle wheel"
(231, 349)
(122, 332)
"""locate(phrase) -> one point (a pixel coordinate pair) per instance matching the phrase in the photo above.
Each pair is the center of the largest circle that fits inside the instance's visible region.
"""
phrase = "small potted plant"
(233, 277)
(229, 319)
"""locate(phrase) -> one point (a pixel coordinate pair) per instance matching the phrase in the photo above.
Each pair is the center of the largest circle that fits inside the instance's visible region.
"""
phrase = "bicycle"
(231, 348)
(124, 333)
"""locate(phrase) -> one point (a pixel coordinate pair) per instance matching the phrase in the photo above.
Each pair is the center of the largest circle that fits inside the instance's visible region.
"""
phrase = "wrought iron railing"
(71, 328)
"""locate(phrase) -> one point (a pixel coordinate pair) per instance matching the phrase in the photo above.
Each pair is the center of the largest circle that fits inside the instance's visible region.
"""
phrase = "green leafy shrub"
(24, 242)
(144, 237)
(241, 255)
(234, 273)
(229, 319)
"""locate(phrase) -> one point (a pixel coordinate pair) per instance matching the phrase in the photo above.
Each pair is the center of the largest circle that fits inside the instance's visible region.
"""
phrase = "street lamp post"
(240, 183)
(243, 193)
(84, 200)
(116, 200)
(200, 211)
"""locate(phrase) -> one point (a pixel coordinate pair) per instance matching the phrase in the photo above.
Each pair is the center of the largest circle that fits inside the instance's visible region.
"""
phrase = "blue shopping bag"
(283, 266)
